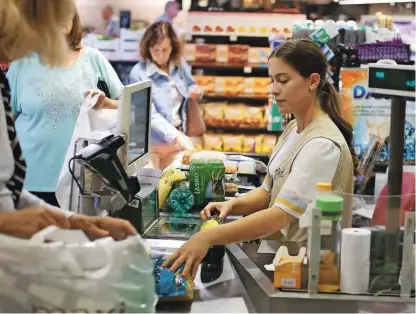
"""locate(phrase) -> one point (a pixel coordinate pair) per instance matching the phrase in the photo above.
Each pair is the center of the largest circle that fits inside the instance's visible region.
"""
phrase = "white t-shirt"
(316, 162)
(176, 96)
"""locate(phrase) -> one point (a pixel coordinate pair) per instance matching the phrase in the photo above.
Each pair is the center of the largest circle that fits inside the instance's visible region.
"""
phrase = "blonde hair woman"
(46, 102)
(28, 26)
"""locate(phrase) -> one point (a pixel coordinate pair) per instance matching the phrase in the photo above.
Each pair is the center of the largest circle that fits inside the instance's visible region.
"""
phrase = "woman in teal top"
(46, 103)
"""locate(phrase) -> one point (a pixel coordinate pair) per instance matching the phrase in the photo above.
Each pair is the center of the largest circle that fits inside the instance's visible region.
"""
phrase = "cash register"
(120, 185)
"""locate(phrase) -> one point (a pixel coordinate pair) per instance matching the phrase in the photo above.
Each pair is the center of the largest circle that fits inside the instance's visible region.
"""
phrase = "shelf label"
(188, 37)
(248, 69)
(233, 38)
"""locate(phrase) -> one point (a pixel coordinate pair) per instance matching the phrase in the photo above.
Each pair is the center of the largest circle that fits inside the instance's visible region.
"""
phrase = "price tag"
(248, 70)
(233, 38)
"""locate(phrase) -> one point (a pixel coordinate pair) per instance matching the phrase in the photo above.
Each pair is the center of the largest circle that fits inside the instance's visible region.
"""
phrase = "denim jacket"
(162, 131)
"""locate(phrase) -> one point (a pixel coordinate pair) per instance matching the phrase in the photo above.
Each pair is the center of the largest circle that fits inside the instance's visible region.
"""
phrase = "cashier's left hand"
(100, 227)
(191, 254)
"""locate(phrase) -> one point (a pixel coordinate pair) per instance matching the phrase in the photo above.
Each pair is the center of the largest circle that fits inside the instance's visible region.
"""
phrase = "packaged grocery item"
(238, 54)
(181, 199)
(222, 54)
(232, 143)
(213, 142)
(249, 144)
(197, 142)
(186, 159)
(254, 117)
(209, 155)
(234, 115)
(259, 144)
(231, 189)
(258, 55)
(247, 167)
(248, 85)
(269, 144)
(261, 86)
(213, 264)
(172, 286)
(189, 52)
(207, 82)
(214, 113)
(207, 181)
(230, 166)
(205, 53)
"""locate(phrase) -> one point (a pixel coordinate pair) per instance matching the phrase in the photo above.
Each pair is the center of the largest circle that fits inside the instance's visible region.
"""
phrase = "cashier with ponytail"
(315, 147)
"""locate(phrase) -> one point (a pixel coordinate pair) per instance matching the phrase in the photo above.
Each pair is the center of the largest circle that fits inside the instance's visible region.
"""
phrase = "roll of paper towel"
(355, 245)
(355, 277)
(355, 260)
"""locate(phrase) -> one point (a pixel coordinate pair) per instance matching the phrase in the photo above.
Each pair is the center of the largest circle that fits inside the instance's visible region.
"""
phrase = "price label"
(188, 37)
(248, 70)
(233, 38)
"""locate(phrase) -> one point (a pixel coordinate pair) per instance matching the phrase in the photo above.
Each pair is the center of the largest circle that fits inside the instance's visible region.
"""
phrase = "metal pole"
(395, 173)
(395, 176)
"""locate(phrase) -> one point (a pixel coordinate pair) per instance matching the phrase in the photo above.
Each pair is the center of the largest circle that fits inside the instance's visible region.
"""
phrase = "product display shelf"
(246, 130)
(252, 99)
(229, 38)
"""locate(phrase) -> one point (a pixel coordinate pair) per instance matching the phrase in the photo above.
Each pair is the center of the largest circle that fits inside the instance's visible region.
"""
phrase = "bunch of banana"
(170, 177)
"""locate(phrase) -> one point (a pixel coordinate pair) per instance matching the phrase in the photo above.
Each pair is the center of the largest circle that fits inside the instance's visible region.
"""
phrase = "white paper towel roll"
(355, 246)
(355, 277)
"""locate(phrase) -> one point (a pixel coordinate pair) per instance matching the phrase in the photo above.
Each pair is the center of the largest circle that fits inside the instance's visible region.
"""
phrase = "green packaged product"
(207, 181)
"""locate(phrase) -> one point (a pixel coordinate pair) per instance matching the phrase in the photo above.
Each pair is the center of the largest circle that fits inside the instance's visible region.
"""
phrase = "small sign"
(233, 38)
(248, 70)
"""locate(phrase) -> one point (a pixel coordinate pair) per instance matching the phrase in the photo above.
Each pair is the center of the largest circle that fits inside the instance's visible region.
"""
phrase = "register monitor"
(134, 123)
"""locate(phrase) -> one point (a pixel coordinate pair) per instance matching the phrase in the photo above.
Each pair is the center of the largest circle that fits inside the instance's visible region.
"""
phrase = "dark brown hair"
(75, 35)
(305, 57)
(156, 33)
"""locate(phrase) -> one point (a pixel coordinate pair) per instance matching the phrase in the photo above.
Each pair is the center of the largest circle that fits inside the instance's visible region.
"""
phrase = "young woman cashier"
(21, 213)
(316, 147)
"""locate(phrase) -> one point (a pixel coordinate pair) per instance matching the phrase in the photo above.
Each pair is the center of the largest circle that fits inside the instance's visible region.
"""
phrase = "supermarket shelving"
(242, 130)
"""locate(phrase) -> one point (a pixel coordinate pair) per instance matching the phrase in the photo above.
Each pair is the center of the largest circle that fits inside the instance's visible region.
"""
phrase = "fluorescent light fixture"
(347, 2)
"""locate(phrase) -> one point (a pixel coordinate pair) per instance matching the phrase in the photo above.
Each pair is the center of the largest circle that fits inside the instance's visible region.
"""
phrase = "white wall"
(149, 10)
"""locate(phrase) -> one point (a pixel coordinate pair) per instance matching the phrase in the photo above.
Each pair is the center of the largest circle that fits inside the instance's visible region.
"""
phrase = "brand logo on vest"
(279, 173)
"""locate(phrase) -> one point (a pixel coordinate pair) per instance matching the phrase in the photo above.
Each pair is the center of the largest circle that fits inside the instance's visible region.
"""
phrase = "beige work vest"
(323, 127)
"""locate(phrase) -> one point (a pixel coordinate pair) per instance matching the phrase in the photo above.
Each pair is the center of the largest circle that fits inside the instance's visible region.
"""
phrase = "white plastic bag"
(103, 276)
(93, 125)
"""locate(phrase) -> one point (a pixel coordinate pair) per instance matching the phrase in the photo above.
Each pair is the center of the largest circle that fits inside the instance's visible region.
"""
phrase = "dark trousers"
(48, 197)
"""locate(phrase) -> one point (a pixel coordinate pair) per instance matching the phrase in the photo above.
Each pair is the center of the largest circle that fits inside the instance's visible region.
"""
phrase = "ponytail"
(330, 103)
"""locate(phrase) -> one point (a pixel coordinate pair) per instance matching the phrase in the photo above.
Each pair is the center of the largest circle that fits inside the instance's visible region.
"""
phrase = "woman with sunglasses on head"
(33, 28)
(315, 147)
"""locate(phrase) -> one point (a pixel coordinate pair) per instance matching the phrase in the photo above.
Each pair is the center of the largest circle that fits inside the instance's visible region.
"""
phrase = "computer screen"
(135, 122)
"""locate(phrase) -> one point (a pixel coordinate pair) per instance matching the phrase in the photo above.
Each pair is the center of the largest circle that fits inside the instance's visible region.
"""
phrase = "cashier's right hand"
(223, 208)
(26, 222)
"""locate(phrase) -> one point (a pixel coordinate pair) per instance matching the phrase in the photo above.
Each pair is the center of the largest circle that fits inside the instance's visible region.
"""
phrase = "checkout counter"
(245, 285)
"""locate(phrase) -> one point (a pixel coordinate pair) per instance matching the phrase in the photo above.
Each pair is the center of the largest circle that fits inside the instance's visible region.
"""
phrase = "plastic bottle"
(275, 117)
(331, 206)
(213, 264)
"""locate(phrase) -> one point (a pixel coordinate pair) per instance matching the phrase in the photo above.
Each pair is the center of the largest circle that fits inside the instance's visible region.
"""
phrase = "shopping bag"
(103, 276)
(90, 125)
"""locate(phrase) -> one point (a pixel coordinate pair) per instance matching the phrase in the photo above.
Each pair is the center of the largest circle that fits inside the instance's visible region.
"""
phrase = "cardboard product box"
(205, 53)
(222, 54)
(288, 269)
(238, 54)
(190, 52)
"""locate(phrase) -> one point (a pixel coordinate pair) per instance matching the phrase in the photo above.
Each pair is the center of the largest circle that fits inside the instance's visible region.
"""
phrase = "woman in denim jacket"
(173, 87)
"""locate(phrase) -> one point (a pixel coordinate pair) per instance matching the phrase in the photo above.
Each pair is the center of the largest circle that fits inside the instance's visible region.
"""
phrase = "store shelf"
(220, 69)
(253, 40)
(240, 98)
(246, 67)
(242, 130)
